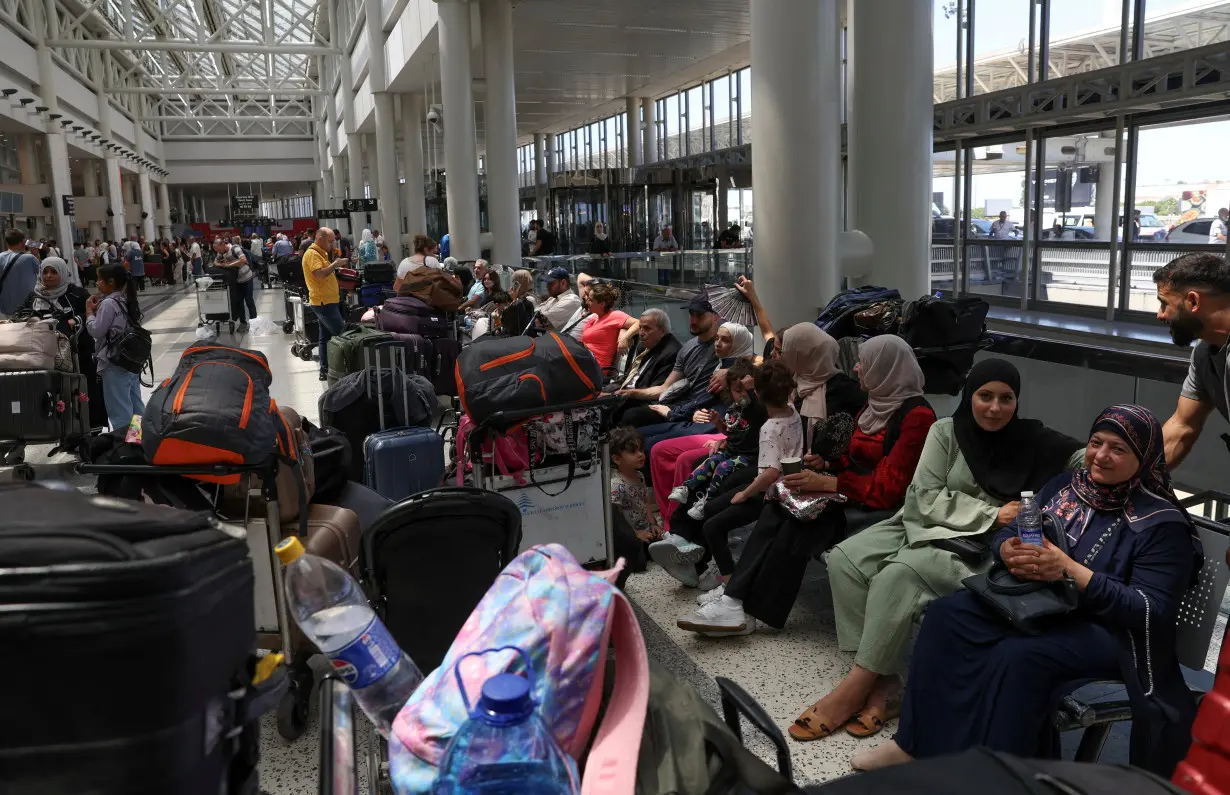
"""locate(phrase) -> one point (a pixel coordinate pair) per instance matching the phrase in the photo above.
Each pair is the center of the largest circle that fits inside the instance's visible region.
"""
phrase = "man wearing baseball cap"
(563, 303)
(695, 362)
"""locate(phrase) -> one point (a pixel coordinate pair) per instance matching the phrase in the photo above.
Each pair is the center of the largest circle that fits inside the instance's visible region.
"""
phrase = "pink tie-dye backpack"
(564, 618)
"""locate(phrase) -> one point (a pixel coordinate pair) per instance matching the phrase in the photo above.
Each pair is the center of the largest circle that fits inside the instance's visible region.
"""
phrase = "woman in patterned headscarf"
(977, 680)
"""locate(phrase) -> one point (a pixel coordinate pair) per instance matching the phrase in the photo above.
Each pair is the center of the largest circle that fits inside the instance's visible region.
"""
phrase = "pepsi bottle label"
(368, 657)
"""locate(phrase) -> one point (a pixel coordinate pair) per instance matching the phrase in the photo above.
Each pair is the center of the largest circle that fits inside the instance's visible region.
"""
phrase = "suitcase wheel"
(23, 472)
(296, 703)
(288, 327)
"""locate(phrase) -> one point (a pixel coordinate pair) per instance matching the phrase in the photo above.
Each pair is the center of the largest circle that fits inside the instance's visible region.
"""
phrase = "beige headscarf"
(811, 355)
(891, 376)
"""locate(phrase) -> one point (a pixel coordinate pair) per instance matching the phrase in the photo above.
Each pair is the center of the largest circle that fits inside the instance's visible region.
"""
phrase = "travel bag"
(522, 373)
(932, 322)
(401, 461)
(345, 350)
(294, 482)
(333, 533)
(444, 370)
(420, 353)
(331, 455)
(135, 625)
(43, 406)
(434, 287)
(406, 314)
(28, 345)
(347, 278)
(838, 316)
(374, 294)
(216, 409)
(379, 273)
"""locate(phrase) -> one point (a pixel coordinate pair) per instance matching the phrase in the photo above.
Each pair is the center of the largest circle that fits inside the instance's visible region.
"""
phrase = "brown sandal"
(802, 729)
(870, 722)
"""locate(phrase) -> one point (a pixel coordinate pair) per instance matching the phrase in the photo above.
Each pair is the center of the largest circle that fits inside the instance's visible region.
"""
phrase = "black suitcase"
(130, 634)
(43, 406)
(444, 370)
(932, 322)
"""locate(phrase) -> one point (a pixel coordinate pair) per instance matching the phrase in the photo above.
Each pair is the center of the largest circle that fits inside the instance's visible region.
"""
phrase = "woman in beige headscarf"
(811, 354)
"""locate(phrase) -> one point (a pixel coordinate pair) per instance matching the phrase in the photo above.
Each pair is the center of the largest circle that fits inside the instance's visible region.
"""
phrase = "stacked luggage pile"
(43, 395)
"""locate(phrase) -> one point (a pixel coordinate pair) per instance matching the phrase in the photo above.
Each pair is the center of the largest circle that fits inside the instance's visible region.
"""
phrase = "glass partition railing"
(684, 269)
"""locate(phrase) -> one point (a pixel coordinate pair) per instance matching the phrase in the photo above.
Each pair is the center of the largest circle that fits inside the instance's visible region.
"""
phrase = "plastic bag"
(206, 334)
(204, 283)
(263, 327)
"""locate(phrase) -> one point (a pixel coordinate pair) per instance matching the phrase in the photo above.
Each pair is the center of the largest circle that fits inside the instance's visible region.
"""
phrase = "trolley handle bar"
(153, 469)
(501, 420)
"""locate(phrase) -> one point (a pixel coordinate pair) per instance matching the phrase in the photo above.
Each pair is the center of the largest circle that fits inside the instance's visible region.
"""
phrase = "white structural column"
(335, 149)
(889, 142)
(460, 160)
(650, 155)
(164, 211)
(633, 132)
(412, 117)
(796, 159)
(540, 175)
(89, 181)
(354, 145)
(1104, 207)
(185, 215)
(57, 148)
(146, 194)
(552, 161)
(503, 199)
(385, 177)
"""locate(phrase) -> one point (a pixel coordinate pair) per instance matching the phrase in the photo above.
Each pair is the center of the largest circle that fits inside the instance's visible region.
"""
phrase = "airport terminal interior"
(1044, 156)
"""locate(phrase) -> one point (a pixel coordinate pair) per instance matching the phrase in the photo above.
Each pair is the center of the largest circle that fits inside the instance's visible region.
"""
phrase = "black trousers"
(638, 415)
(720, 518)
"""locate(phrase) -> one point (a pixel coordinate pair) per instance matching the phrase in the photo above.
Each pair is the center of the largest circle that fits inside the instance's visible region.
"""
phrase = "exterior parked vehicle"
(1194, 231)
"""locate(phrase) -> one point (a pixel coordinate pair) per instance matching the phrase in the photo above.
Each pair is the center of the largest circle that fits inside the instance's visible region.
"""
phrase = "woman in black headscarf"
(1125, 544)
(967, 484)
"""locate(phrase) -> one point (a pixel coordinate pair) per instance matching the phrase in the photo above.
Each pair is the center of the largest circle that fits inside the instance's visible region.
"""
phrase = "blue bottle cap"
(505, 700)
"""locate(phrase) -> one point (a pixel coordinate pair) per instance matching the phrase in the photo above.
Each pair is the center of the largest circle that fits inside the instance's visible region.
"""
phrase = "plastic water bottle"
(1029, 520)
(332, 611)
(504, 748)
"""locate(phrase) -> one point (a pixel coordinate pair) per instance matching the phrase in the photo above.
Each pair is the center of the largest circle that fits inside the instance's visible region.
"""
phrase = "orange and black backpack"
(216, 409)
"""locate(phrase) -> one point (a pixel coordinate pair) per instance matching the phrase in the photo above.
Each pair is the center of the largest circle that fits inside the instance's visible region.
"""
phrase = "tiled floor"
(785, 670)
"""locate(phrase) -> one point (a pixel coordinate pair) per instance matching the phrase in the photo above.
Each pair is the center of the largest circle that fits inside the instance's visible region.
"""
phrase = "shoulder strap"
(892, 431)
(8, 267)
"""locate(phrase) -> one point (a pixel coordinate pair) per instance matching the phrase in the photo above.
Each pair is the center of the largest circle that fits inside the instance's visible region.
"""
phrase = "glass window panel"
(1085, 36)
(745, 103)
(993, 257)
(1172, 25)
(943, 221)
(1001, 44)
(671, 120)
(946, 29)
(1077, 216)
(723, 131)
(697, 99)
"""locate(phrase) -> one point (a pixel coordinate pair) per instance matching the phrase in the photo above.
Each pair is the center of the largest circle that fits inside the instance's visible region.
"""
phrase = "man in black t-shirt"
(544, 240)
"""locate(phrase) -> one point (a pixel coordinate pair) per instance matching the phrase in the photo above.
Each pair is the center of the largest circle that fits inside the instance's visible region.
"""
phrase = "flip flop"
(803, 731)
(870, 722)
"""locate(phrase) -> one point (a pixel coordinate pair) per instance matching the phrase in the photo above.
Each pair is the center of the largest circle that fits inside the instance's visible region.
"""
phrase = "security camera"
(434, 118)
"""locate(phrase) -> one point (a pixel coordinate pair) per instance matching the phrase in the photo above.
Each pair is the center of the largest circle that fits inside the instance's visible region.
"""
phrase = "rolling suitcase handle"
(372, 349)
(736, 702)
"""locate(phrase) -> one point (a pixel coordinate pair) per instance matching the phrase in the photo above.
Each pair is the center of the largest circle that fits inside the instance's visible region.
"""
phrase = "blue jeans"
(122, 394)
(330, 318)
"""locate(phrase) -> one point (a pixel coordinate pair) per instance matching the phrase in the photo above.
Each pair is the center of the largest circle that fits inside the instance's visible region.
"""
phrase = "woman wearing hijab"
(977, 680)
(55, 296)
(600, 245)
(967, 484)
(733, 343)
(824, 398)
(873, 472)
(367, 248)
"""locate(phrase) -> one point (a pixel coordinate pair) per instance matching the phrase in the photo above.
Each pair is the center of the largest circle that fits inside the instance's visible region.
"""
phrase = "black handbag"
(131, 348)
(1028, 604)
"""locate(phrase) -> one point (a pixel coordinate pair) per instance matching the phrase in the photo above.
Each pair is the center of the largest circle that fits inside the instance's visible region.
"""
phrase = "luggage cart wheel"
(231, 327)
(293, 709)
(288, 327)
(23, 472)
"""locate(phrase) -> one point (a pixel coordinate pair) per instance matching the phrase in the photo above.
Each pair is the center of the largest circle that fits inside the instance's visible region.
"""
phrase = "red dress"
(870, 478)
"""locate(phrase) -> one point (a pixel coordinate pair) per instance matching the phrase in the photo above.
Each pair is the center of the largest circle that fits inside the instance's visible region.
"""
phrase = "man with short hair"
(19, 272)
(1194, 296)
(695, 362)
(196, 257)
(544, 240)
(476, 292)
(282, 247)
(81, 255)
(1002, 228)
(580, 320)
(665, 241)
(324, 296)
(654, 361)
(1217, 229)
(562, 302)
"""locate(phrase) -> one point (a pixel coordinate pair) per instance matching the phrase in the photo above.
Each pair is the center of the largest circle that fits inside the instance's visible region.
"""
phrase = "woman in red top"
(610, 330)
(873, 473)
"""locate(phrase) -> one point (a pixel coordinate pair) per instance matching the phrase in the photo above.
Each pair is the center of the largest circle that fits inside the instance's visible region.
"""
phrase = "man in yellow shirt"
(323, 294)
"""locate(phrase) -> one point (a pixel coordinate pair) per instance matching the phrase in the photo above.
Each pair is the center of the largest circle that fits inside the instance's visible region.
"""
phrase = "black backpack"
(131, 348)
(522, 373)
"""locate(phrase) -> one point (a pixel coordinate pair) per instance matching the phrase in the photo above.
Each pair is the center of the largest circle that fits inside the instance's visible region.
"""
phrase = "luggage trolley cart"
(273, 622)
(564, 497)
(303, 322)
(213, 305)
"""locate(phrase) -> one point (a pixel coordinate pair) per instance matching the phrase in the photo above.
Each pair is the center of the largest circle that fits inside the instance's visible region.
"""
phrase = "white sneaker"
(679, 494)
(709, 578)
(724, 616)
(697, 511)
(678, 557)
(709, 596)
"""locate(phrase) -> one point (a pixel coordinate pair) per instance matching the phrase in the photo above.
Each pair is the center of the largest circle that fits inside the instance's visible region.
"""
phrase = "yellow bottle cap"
(288, 550)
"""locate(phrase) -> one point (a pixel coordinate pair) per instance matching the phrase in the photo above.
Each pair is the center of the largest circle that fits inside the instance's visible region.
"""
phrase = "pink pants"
(671, 462)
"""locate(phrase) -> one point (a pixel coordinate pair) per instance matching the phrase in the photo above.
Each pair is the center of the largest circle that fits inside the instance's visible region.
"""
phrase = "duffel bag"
(434, 287)
(379, 273)
(135, 625)
(28, 345)
(406, 314)
(215, 409)
(290, 478)
(374, 294)
(932, 322)
(344, 354)
(521, 373)
(347, 278)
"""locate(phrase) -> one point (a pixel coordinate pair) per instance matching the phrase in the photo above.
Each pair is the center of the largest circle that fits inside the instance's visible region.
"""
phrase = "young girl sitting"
(741, 424)
(629, 494)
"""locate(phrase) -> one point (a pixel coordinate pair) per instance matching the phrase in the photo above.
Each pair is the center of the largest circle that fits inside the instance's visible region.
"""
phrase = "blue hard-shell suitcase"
(401, 461)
